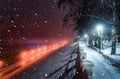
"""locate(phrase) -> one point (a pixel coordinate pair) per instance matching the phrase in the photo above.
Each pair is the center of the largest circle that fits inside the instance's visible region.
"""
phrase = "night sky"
(32, 19)
(22, 21)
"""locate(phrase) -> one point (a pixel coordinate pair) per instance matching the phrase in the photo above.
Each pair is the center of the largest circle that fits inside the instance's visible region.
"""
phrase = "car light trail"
(29, 57)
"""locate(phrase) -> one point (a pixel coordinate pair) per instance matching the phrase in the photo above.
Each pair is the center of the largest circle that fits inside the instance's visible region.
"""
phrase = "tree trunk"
(113, 50)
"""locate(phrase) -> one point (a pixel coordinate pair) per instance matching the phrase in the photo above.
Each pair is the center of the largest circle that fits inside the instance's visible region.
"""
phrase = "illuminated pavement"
(103, 69)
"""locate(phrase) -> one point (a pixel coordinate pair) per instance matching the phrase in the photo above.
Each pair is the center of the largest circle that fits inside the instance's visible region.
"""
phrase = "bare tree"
(83, 13)
(113, 50)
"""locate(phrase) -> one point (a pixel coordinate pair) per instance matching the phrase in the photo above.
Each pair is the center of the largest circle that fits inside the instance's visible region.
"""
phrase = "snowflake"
(35, 14)
(15, 26)
(61, 53)
(53, 7)
(35, 69)
(23, 38)
(45, 21)
(15, 9)
(60, 34)
(9, 30)
(55, 1)
(46, 40)
(38, 25)
(11, 44)
(23, 26)
(6, 64)
(1, 48)
(17, 15)
(46, 75)
(23, 72)
(34, 23)
(12, 21)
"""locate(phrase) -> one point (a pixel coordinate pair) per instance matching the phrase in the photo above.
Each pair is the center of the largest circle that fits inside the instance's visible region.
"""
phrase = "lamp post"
(86, 37)
(99, 29)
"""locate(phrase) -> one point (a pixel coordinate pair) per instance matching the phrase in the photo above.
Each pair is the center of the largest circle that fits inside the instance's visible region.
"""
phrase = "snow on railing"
(81, 69)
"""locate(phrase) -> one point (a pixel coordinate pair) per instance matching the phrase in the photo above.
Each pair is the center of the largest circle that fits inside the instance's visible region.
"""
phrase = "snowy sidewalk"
(102, 67)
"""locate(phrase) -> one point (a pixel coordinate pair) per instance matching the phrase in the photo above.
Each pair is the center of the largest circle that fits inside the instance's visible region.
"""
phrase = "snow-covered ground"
(103, 68)
(108, 50)
(115, 57)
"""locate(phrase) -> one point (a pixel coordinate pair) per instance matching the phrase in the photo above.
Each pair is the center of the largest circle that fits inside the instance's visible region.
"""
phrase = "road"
(29, 57)
(42, 68)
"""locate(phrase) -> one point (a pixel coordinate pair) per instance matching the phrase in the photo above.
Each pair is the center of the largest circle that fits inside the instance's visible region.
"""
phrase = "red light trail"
(29, 57)
(1, 64)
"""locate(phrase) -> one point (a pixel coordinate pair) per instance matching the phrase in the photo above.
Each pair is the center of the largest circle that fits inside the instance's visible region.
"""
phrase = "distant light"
(86, 35)
(94, 34)
(99, 27)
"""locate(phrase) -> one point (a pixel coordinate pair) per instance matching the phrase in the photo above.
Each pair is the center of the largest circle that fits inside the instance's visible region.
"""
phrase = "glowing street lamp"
(86, 37)
(100, 29)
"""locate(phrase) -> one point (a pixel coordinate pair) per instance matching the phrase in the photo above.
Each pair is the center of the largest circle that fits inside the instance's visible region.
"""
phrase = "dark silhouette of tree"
(85, 13)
